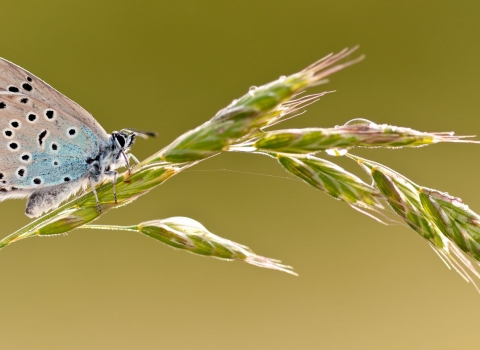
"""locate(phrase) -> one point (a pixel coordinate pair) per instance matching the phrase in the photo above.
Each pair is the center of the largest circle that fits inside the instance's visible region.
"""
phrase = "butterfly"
(50, 147)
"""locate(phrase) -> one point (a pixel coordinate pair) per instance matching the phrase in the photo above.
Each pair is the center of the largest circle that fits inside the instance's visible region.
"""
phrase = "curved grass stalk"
(83, 210)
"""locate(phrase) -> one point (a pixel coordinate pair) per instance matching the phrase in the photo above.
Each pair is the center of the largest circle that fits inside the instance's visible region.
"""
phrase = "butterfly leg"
(127, 163)
(114, 174)
(115, 186)
(133, 157)
(92, 185)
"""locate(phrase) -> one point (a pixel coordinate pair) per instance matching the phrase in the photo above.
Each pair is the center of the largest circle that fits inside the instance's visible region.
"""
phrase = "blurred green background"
(169, 66)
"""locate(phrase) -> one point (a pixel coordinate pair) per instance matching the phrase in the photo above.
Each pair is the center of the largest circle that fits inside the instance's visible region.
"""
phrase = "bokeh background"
(169, 66)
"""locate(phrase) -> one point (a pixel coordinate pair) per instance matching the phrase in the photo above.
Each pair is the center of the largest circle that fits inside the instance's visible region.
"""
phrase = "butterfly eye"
(121, 140)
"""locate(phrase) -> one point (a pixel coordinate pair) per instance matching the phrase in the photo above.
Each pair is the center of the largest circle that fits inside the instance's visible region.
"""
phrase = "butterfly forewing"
(16, 79)
(45, 138)
(50, 147)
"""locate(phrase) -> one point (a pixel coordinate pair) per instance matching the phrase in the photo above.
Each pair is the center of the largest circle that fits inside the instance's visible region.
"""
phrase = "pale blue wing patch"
(39, 147)
(55, 162)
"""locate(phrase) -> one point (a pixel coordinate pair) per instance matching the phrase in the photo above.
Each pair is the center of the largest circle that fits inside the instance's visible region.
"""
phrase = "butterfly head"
(120, 143)
(123, 140)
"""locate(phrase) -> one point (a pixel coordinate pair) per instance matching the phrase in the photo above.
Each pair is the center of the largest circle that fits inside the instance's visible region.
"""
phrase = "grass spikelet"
(331, 179)
(444, 221)
(260, 107)
(189, 235)
(357, 133)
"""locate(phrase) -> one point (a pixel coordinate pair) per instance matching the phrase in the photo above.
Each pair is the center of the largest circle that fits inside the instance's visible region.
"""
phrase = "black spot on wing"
(27, 87)
(49, 113)
(41, 136)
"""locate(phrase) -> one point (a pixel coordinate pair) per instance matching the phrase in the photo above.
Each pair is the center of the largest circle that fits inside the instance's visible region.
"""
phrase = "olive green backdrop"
(169, 66)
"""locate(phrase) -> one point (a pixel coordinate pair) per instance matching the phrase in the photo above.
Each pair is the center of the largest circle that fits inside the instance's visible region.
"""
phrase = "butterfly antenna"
(141, 133)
